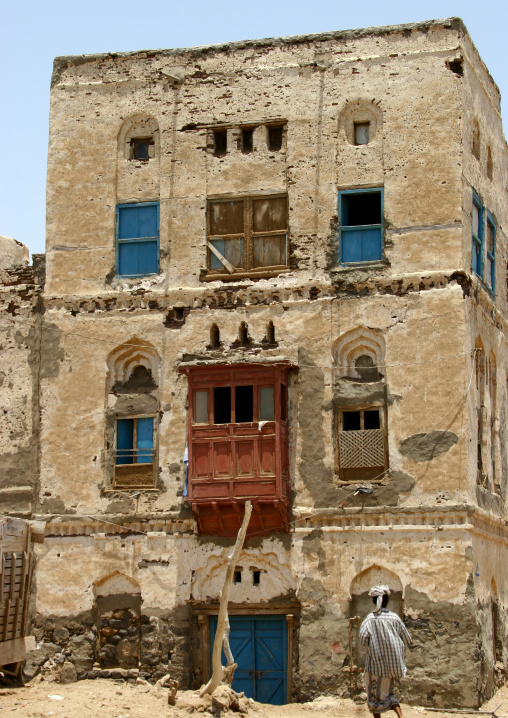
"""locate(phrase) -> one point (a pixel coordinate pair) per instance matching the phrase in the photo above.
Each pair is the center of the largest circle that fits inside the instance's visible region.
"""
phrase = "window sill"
(136, 276)
(261, 273)
(137, 489)
(344, 268)
(359, 482)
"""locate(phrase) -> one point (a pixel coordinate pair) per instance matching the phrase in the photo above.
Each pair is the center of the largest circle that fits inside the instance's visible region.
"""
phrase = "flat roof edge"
(62, 62)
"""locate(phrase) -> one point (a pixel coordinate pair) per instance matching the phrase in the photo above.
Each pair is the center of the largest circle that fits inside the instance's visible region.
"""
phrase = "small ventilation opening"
(220, 138)
(243, 335)
(141, 148)
(214, 337)
(275, 138)
(179, 313)
(237, 576)
(362, 131)
(270, 333)
(247, 140)
(256, 578)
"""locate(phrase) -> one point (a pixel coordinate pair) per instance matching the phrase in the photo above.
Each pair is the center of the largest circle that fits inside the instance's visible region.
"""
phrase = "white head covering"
(378, 592)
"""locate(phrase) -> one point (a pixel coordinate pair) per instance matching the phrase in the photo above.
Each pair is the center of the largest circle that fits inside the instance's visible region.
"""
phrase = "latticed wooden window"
(247, 235)
(361, 439)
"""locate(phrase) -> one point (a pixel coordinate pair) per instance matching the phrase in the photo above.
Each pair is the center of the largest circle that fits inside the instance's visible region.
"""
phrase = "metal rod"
(463, 710)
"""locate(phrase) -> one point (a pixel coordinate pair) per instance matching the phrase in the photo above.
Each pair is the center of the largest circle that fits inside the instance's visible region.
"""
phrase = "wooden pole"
(217, 669)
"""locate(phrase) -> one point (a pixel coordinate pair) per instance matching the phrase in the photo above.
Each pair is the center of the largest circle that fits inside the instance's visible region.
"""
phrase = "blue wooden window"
(137, 230)
(490, 277)
(134, 441)
(477, 236)
(361, 226)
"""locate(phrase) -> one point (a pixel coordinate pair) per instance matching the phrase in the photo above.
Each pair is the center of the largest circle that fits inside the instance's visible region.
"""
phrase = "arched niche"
(125, 359)
(358, 351)
(357, 114)
(135, 130)
(117, 614)
(116, 583)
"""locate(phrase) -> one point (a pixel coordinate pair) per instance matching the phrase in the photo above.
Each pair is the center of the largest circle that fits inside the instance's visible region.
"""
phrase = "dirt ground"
(106, 698)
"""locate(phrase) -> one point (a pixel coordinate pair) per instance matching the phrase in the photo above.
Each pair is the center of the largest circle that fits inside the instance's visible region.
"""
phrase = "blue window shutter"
(147, 258)
(371, 244)
(145, 441)
(147, 220)
(128, 263)
(124, 441)
(128, 223)
(351, 245)
(138, 222)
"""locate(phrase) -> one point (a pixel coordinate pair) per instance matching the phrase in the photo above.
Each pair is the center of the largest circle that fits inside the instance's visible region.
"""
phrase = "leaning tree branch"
(218, 672)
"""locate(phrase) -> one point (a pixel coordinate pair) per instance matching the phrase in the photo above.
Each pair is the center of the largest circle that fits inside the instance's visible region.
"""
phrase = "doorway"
(259, 646)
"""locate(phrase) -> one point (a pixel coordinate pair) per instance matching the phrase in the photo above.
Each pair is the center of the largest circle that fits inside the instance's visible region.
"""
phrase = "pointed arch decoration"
(125, 358)
(358, 343)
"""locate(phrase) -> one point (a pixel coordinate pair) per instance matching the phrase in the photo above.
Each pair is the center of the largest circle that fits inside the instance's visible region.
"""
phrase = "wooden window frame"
(248, 235)
(381, 469)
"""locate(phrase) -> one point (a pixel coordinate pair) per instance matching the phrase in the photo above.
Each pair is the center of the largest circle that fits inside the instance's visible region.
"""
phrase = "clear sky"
(35, 31)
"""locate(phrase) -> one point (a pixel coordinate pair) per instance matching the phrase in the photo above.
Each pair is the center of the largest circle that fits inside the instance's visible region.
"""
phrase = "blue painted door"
(258, 645)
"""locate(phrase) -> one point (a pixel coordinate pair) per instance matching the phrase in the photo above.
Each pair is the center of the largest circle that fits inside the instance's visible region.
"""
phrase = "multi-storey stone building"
(275, 270)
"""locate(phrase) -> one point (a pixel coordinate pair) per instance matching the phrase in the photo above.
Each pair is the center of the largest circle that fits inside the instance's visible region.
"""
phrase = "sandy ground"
(106, 698)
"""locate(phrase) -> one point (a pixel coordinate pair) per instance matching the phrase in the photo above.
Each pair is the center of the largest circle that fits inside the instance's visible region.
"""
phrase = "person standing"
(384, 634)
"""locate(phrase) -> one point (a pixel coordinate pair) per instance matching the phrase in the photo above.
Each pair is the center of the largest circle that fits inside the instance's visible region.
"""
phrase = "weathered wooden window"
(247, 235)
(137, 228)
(361, 438)
(275, 137)
(220, 139)
(134, 455)
(361, 225)
(362, 130)
(142, 148)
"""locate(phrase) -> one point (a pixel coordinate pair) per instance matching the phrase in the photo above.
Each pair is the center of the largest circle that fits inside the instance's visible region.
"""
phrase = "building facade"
(275, 270)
